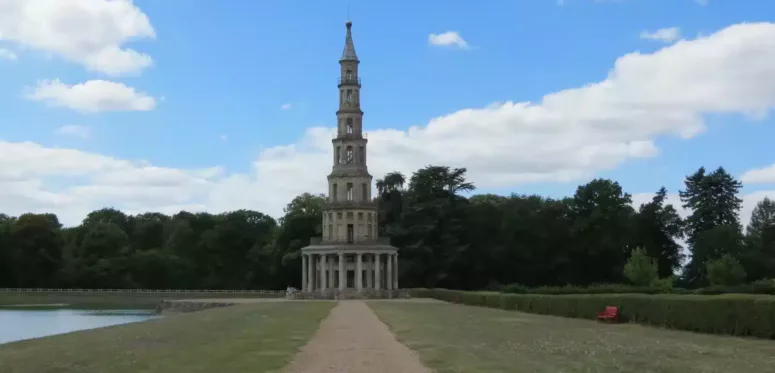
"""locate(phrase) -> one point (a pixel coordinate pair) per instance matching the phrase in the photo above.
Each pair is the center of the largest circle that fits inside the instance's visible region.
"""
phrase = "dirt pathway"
(353, 340)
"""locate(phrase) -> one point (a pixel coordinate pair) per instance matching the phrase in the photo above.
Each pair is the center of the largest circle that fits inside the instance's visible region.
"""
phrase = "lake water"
(16, 325)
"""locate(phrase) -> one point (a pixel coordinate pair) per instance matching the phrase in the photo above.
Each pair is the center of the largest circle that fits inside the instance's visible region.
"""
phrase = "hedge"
(732, 314)
(757, 287)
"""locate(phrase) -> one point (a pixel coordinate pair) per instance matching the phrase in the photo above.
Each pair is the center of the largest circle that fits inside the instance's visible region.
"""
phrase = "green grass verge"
(246, 338)
(97, 300)
(458, 338)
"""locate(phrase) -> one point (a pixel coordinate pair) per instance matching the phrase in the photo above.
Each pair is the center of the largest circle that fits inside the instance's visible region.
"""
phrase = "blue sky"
(243, 93)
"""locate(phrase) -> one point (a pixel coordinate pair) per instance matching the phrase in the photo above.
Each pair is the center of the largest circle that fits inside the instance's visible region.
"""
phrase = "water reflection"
(22, 324)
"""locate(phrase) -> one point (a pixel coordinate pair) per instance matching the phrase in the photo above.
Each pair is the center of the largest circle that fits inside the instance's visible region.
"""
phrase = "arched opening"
(349, 155)
(349, 126)
(349, 195)
(333, 194)
(348, 74)
(338, 155)
(349, 96)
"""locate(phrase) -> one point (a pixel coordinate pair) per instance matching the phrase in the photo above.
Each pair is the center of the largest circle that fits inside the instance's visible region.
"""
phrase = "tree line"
(445, 239)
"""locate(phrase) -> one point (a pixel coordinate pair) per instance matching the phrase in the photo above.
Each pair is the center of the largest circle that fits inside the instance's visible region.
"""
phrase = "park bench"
(610, 313)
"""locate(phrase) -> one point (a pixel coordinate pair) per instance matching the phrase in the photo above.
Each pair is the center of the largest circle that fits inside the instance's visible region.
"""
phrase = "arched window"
(349, 96)
(333, 194)
(348, 74)
(349, 197)
(349, 127)
(338, 155)
(349, 154)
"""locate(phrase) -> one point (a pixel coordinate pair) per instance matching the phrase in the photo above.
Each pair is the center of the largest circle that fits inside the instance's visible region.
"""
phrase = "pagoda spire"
(349, 49)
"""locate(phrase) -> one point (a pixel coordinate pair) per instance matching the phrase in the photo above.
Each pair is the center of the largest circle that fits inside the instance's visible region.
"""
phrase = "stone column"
(370, 272)
(323, 274)
(310, 272)
(377, 275)
(389, 272)
(395, 269)
(342, 272)
(330, 270)
(358, 273)
(303, 272)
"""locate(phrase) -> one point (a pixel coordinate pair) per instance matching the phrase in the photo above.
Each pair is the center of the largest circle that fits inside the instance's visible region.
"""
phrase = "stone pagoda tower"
(350, 260)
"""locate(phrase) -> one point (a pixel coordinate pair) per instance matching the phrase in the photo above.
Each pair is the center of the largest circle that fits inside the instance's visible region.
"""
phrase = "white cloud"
(702, 2)
(89, 32)
(759, 175)
(285, 106)
(8, 54)
(92, 96)
(75, 130)
(666, 35)
(569, 135)
(449, 38)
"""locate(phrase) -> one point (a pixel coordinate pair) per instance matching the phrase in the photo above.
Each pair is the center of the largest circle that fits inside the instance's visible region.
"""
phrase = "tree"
(640, 269)
(725, 271)
(7, 278)
(601, 213)
(762, 217)
(393, 181)
(390, 201)
(758, 257)
(658, 227)
(431, 228)
(713, 200)
(37, 249)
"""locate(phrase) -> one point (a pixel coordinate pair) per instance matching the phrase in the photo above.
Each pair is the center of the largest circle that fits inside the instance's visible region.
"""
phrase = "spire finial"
(349, 48)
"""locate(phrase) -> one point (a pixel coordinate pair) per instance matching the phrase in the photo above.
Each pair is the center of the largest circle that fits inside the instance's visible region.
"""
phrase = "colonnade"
(339, 270)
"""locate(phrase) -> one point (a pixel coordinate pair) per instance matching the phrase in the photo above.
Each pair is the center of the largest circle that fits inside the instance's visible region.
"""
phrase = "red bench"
(610, 314)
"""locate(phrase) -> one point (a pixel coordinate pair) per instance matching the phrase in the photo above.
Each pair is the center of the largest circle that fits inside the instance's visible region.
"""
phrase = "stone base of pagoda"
(352, 294)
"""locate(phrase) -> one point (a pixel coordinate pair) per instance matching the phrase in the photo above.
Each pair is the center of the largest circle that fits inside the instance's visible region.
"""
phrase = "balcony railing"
(349, 204)
(349, 80)
(362, 241)
(335, 135)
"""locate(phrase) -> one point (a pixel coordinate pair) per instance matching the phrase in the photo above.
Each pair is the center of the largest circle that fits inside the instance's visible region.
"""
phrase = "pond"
(19, 324)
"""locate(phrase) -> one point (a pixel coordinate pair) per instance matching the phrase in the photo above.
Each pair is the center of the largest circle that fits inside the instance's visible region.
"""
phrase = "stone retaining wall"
(173, 306)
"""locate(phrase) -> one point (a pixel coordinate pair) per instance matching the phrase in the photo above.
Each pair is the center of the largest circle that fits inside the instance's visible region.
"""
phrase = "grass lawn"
(458, 338)
(97, 300)
(246, 338)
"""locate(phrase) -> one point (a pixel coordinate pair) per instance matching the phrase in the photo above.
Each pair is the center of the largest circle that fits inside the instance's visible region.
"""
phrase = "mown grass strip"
(246, 338)
(458, 338)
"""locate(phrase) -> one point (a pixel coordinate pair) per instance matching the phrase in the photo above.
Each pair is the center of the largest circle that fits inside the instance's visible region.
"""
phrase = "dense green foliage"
(734, 314)
(446, 239)
(640, 269)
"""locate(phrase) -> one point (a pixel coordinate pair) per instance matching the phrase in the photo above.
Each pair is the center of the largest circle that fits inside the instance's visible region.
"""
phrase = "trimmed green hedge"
(757, 287)
(733, 314)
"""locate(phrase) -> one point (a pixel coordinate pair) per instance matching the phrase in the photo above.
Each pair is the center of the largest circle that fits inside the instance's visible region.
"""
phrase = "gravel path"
(353, 340)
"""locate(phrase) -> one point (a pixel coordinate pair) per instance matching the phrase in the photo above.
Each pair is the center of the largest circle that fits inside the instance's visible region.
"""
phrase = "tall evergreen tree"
(658, 227)
(759, 253)
(713, 228)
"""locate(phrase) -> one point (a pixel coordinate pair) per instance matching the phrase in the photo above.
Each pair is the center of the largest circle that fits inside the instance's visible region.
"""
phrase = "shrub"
(725, 271)
(756, 287)
(515, 288)
(665, 285)
(641, 269)
(734, 314)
